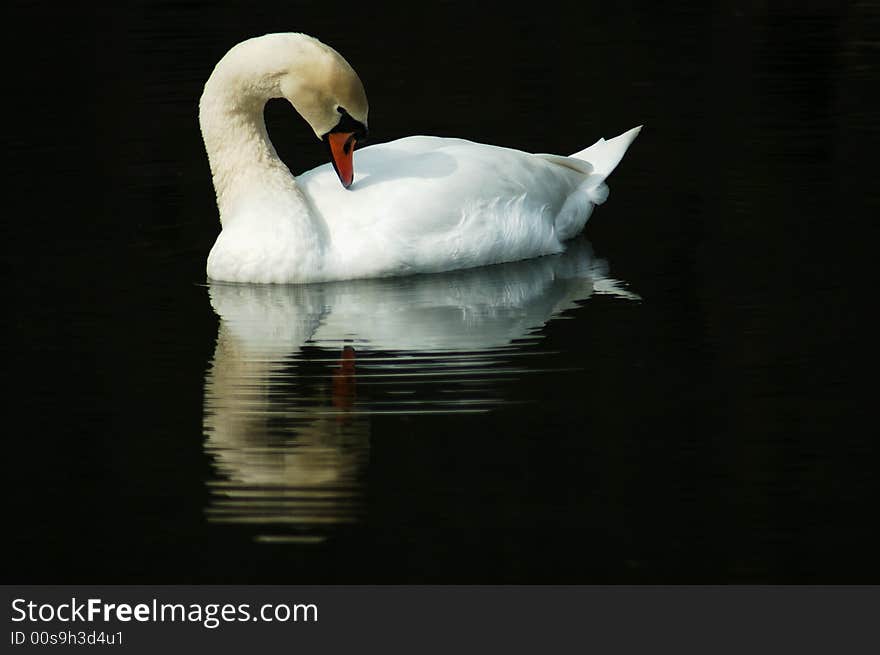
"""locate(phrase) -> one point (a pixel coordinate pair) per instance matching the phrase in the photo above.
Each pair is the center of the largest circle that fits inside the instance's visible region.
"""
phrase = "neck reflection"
(300, 370)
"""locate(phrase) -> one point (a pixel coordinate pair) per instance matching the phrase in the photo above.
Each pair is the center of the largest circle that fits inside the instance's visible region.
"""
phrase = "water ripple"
(300, 371)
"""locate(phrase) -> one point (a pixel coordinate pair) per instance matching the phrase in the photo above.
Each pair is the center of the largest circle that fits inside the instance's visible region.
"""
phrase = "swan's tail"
(604, 155)
(597, 162)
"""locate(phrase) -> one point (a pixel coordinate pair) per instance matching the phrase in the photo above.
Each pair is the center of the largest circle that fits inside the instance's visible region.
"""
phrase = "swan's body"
(420, 204)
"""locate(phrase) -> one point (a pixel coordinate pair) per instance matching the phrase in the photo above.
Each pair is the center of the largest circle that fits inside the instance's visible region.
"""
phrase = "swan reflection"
(299, 371)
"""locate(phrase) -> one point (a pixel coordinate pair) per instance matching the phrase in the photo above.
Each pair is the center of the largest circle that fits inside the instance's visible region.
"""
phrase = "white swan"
(420, 204)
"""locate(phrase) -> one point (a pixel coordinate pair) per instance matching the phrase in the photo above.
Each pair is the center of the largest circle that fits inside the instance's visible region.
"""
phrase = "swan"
(420, 204)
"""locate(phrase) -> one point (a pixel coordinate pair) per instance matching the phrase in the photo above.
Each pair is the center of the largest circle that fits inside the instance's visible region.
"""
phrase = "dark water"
(684, 396)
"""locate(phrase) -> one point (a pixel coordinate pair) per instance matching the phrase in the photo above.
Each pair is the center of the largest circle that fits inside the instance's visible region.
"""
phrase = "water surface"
(681, 397)
(300, 372)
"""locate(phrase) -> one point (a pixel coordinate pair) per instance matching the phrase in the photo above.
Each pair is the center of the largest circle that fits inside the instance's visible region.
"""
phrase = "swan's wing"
(427, 185)
(426, 204)
(578, 165)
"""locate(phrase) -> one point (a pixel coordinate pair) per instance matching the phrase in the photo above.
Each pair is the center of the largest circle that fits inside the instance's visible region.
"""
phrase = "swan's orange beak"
(341, 146)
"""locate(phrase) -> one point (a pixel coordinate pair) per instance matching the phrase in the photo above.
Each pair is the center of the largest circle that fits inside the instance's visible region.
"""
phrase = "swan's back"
(427, 204)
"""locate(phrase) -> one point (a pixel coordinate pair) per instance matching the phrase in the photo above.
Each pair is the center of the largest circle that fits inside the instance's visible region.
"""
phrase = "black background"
(722, 433)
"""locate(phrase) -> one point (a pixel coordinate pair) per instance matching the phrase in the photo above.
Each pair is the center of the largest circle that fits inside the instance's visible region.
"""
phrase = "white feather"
(418, 205)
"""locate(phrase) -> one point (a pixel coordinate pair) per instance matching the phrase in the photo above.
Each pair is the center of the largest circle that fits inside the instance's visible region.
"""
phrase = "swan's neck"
(247, 172)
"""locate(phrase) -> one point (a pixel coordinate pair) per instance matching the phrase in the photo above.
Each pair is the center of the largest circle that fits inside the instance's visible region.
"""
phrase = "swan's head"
(313, 77)
(325, 90)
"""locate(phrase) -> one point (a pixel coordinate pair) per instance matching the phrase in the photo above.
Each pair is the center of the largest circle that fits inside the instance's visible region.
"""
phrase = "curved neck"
(244, 164)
